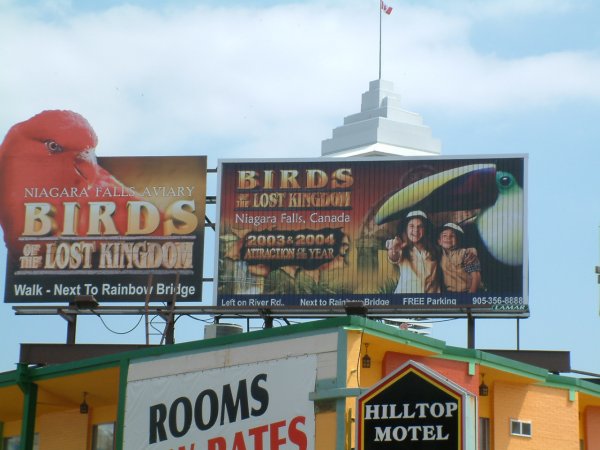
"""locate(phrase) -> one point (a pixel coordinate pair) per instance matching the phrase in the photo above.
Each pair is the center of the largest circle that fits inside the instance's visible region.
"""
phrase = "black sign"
(411, 409)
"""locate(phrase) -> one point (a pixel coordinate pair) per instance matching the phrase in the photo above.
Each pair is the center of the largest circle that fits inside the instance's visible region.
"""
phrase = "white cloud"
(149, 80)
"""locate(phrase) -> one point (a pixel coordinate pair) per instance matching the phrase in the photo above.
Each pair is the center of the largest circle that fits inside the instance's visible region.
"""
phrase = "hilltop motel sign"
(415, 408)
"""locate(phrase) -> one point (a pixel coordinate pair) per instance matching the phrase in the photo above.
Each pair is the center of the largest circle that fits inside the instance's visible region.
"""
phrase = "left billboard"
(124, 229)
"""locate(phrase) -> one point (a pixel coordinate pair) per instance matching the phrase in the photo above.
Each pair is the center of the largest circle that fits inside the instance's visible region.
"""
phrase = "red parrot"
(50, 158)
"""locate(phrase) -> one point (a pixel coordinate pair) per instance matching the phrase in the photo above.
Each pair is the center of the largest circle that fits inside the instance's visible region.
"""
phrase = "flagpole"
(380, 8)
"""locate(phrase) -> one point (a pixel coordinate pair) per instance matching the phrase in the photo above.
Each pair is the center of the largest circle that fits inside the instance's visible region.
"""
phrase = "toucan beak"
(496, 194)
(462, 188)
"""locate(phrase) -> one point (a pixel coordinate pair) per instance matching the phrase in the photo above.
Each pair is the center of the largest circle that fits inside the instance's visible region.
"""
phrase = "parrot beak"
(462, 188)
(86, 164)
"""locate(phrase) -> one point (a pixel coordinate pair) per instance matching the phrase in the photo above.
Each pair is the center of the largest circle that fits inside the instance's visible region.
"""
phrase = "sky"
(248, 79)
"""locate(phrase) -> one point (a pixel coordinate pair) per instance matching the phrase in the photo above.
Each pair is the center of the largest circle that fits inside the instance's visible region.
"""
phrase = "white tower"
(381, 128)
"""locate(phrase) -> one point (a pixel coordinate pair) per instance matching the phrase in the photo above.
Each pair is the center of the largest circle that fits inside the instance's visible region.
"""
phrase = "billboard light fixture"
(85, 302)
(355, 308)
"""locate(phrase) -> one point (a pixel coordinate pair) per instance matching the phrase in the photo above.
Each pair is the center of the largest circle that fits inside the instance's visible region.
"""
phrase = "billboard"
(421, 235)
(250, 406)
(116, 228)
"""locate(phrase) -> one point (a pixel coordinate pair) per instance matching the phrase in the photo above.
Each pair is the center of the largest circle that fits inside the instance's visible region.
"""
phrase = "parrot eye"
(53, 147)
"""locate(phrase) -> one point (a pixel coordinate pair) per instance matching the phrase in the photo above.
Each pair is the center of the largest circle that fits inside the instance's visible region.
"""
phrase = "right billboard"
(407, 236)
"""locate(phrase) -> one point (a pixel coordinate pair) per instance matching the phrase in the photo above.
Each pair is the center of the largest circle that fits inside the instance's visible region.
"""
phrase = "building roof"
(61, 385)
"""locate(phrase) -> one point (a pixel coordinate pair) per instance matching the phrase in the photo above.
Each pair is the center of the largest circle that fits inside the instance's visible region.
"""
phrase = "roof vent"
(216, 330)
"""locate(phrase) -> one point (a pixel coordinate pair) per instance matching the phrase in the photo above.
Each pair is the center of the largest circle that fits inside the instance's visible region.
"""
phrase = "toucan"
(491, 201)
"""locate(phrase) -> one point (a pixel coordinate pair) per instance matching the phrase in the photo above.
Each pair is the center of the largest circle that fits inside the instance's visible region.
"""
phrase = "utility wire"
(119, 332)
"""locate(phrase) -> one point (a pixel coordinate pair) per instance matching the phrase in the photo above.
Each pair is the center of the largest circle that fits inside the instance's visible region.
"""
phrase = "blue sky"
(272, 79)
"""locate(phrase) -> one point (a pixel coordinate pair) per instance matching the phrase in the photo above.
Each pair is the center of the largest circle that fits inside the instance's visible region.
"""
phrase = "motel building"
(334, 384)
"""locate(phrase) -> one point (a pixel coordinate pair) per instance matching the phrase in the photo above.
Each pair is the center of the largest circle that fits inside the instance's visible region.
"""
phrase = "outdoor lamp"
(83, 407)
(483, 389)
(366, 360)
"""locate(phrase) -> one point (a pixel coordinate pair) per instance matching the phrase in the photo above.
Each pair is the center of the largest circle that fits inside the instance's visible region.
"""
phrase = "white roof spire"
(381, 128)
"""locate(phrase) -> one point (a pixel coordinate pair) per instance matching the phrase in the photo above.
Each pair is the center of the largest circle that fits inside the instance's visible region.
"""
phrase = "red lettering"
(297, 436)
(276, 440)
(182, 447)
(258, 435)
(238, 441)
(279, 433)
(217, 443)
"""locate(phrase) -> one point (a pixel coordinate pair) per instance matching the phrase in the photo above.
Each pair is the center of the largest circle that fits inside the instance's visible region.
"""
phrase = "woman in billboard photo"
(416, 256)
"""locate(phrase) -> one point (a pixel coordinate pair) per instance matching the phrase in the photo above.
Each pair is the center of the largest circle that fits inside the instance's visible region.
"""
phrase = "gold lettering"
(71, 219)
(101, 221)
(181, 218)
(342, 178)
(288, 179)
(142, 218)
(316, 178)
(247, 179)
(39, 219)
(268, 179)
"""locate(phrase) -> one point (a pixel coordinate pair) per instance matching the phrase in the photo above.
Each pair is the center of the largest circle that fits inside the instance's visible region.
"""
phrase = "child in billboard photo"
(416, 255)
(460, 266)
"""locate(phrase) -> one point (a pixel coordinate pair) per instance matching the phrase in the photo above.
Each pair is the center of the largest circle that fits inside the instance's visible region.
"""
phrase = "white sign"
(261, 406)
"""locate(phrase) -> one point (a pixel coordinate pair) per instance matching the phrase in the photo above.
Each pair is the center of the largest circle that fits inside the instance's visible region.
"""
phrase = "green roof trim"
(577, 384)
(8, 378)
(496, 362)
(75, 367)
(337, 324)
(401, 336)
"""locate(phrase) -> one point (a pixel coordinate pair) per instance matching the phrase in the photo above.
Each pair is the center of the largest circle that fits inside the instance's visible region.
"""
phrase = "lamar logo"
(413, 408)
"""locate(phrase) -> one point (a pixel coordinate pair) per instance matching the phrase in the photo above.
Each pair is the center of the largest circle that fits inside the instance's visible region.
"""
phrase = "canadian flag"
(385, 8)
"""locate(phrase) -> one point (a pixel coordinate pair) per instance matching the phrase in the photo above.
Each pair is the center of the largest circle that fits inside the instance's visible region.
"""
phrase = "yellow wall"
(66, 430)
(592, 427)
(63, 431)
(484, 406)
(554, 418)
(356, 376)
(325, 427)
(103, 414)
(70, 430)
(12, 428)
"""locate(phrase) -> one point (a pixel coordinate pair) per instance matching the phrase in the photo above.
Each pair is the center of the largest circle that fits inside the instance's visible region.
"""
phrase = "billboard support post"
(518, 334)
(71, 325)
(471, 331)
(80, 302)
(170, 327)
(169, 333)
(168, 336)
(146, 307)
